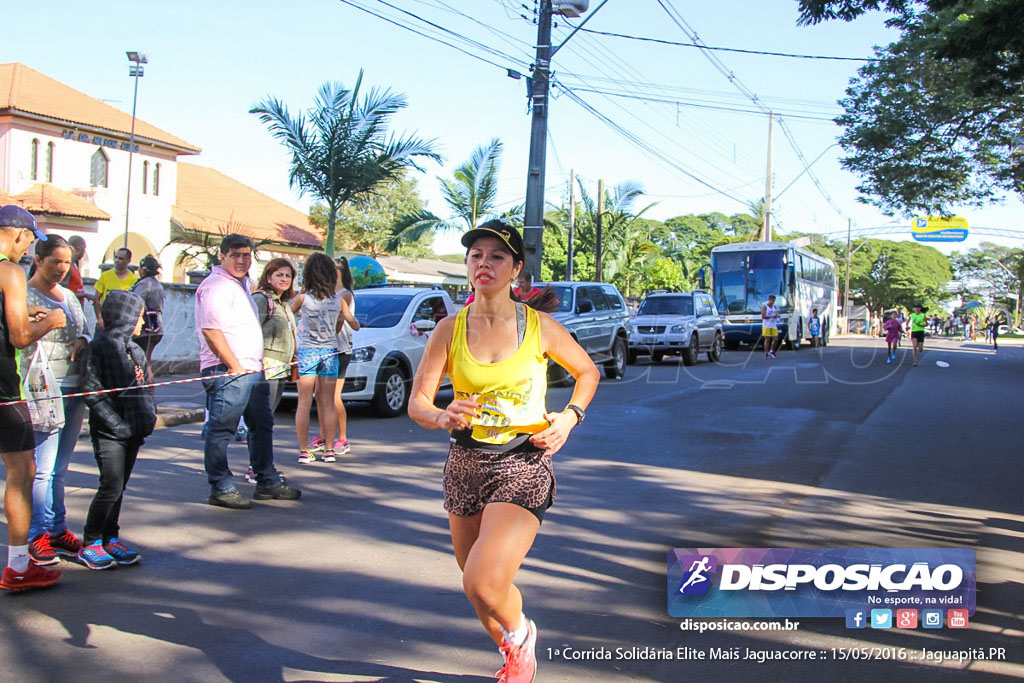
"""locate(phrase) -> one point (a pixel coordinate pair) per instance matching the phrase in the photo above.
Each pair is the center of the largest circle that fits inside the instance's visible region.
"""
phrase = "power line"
(636, 140)
(727, 49)
(697, 105)
(678, 20)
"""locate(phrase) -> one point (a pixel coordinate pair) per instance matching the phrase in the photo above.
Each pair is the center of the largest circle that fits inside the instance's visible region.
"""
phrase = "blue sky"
(209, 62)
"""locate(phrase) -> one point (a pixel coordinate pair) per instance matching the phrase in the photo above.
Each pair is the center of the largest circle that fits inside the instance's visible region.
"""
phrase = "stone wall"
(179, 351)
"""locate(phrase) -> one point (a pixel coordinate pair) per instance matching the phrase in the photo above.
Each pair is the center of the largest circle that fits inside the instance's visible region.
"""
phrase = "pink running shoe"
(317, 445)
(520, 662)
(342, 447)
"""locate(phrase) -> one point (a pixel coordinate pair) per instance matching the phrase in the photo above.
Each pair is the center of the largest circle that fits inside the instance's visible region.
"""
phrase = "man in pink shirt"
(231, 341)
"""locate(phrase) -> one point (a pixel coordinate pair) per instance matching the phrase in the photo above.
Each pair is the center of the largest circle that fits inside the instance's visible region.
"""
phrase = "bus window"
(765, 276)
(730, 283)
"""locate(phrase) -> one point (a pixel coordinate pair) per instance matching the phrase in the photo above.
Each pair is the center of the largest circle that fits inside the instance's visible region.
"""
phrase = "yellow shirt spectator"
(109, 281)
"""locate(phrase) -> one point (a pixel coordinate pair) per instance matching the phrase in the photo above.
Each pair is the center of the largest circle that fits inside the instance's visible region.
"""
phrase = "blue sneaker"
(889, 359)
(242, 434)
(122, 555)
(94, 556)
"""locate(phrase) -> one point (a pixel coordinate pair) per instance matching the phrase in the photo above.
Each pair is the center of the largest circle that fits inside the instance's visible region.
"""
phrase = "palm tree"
(470, 195)
(341, 147)
(624, 238)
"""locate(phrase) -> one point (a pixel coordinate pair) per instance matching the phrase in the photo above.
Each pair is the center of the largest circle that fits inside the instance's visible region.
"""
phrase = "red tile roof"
(209, 201)
(26, 91)
(46, 200)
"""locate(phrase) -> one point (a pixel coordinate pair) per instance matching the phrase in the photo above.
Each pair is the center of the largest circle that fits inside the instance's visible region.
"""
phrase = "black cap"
(13, 216)
(506, 233)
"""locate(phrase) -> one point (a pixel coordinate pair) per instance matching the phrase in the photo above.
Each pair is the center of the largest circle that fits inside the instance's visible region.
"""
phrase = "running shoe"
(773, 355)
(33, 577)
(889, 359)
(328, 456)
(41, 552)
(94, 556)
(520, 662)
(341, 447)
(242, 434)
(67, 544)
(306, 457)
(279, 492)
(122, 555)
(250, 476)
(317, 445)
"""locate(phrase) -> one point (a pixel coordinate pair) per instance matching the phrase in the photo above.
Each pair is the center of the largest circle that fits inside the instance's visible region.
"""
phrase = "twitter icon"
(881, 618)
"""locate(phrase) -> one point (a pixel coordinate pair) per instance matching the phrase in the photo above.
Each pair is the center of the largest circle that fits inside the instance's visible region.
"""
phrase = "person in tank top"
(498, 479)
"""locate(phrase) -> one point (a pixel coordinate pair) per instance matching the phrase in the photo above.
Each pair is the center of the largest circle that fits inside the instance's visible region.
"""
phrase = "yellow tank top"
(511, 391)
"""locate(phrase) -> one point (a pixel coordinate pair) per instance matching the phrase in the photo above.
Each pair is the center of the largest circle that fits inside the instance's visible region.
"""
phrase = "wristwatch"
(581, 414)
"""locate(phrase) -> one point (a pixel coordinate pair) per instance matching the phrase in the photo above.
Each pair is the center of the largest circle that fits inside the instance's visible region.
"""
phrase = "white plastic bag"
(47, 416)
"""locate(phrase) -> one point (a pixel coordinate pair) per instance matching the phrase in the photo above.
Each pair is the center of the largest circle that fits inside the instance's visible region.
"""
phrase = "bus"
(745, 273)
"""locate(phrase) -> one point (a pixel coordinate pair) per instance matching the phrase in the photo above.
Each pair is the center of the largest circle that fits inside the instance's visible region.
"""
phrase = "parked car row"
(396, 322)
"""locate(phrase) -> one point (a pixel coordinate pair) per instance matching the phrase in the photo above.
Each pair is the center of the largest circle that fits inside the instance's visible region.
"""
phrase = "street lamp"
(135, 70)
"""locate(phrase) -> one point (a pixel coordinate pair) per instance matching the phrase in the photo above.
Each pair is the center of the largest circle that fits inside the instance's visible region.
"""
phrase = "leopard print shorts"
(474, 478)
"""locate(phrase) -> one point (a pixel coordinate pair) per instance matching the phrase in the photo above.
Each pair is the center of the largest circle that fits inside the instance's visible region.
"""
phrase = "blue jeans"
(52, 455)
(227, 399)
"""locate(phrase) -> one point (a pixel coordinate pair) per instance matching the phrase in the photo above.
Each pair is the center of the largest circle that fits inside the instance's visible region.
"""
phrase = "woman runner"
(498, 479)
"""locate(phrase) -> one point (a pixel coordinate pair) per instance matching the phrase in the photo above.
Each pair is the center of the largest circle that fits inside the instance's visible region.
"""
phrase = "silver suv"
(685, 323)
(595, 315)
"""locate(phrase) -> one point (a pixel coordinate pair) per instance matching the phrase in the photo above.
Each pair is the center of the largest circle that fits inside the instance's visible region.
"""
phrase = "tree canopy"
(342, 148)
(937, 120)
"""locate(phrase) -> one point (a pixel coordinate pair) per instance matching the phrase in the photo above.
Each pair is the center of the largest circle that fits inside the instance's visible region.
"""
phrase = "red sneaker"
(33, 577)
(41, 552)
(520, 662)
(66, 544)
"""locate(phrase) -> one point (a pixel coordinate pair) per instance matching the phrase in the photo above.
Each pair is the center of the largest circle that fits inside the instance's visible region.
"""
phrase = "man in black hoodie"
(119, 423)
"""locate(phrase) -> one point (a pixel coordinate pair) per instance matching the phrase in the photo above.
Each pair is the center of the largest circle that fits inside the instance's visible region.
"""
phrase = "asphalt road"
(356, 582)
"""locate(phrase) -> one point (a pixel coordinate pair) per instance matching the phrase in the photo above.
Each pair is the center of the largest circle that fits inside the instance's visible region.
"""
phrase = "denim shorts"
(319, 362)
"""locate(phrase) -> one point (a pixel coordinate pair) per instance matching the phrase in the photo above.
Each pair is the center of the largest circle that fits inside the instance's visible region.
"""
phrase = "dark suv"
(595, 315)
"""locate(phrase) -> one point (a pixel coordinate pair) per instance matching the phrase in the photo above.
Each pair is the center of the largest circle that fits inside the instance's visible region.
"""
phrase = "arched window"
(98, 175)
(145, 176)
(49, 162)
(156, 180)
(33, 171)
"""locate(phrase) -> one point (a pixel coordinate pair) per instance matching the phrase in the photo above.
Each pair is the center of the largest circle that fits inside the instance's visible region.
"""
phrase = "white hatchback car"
(395, 323)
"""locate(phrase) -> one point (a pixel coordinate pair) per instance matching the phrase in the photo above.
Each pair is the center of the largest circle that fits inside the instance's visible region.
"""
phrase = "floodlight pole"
(134, 69)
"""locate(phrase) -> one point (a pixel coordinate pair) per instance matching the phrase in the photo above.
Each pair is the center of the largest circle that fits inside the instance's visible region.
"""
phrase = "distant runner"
(917, 327)
(770, 327)
(814, 327)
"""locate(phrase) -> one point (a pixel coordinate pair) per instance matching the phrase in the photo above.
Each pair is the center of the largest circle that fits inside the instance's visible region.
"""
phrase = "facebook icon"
(856, 618)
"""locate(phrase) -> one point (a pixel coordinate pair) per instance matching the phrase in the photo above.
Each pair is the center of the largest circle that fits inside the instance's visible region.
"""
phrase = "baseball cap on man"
(13, 216)
(496, 228)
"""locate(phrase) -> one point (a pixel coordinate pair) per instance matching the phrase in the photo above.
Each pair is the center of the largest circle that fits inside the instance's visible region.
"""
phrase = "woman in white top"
(341, 446)
(321, 313)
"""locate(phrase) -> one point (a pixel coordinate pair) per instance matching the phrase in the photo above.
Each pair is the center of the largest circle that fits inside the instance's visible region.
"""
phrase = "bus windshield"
(743, 280)
(667, 305)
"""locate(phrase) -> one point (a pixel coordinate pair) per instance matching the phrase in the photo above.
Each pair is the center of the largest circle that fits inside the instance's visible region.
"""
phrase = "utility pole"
(533, 223)
(572, 225)
(599, 242)
(767, 231)
(846, 290)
